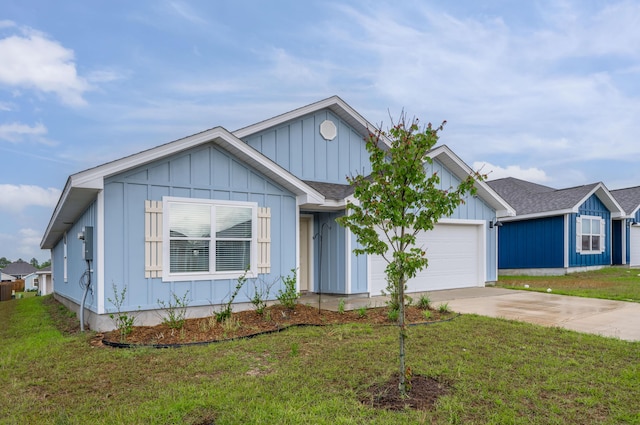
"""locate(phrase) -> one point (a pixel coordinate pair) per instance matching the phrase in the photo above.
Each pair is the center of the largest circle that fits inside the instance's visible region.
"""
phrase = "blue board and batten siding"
(540, 243)
(298, 147)
(206, 172)
(76, 265)
(535, 243)
(593, 207)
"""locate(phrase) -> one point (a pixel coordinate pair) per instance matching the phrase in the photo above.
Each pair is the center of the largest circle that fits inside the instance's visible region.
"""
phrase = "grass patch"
(499, 372)
(611, 283)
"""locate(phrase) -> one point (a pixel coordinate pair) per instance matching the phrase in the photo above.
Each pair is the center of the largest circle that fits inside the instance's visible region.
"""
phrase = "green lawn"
(612, 283)
(500, 372)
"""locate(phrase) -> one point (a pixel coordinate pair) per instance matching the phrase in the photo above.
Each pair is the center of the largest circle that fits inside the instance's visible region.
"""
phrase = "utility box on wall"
(86, 236)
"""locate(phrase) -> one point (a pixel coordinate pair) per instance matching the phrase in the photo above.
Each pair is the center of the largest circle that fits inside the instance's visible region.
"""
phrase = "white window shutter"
(264, 240)
(603, 229)
(578, 234)
(152, 239)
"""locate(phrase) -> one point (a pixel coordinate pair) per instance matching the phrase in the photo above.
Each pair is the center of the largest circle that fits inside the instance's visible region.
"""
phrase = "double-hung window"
(590, 234)
(209, 239)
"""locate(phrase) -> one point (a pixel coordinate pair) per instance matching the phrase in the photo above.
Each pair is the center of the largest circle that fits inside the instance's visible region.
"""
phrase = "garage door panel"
(455, 260)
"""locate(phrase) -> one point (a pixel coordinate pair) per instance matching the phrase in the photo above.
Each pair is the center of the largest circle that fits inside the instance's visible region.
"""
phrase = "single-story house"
(555, 231)
(40, 280)
(626, 232)
(190, 217)
(20, 269)
(5, 277)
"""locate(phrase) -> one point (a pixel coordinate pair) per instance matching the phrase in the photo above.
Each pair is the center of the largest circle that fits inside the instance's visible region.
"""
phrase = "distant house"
(189, 217)
(20, 269)
(555, 231)
(626, 232)
(4, 277)
(41, 280)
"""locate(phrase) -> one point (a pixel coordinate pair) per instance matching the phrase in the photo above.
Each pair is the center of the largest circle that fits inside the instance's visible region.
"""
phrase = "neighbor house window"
(590, 233)
(210, 239)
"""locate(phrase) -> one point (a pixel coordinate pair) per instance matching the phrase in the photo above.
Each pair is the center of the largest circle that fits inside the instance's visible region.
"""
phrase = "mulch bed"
(249, 323)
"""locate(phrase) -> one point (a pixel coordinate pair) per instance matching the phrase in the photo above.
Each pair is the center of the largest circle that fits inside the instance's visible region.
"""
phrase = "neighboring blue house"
(626, 232)
(191, 216)
(555, 231)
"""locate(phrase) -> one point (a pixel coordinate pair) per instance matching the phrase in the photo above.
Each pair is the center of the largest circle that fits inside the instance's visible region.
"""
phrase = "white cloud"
(32, 60)
(29, 243)
(17, 132)
(495, 172)
(16, 198)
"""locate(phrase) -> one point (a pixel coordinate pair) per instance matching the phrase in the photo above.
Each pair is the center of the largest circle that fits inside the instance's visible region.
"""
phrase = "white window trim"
(579, 234)
(167, 276)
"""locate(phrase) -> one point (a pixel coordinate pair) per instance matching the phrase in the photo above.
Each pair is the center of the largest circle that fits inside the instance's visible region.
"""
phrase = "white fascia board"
(538, 215)
(334, 103)
(462, 171)
(606, 198)
(93, 178)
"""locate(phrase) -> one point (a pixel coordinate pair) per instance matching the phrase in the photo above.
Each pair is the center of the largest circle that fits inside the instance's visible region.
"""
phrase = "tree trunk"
(402, 385)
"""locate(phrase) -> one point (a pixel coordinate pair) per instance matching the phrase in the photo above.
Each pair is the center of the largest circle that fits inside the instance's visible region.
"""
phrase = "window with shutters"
(590, 234)
(209, 239)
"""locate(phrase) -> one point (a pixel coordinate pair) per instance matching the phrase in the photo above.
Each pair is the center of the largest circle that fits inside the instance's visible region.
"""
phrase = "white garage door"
(634, 246)
(456, 260)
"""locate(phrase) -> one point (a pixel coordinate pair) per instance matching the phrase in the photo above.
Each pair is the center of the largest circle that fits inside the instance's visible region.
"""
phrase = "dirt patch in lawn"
(249, 323)
(422, 395)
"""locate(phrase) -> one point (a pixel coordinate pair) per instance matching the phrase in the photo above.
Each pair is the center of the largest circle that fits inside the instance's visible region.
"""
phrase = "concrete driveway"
(616, 319)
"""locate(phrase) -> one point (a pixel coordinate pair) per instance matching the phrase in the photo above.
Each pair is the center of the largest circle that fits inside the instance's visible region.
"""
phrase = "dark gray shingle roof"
(331, 190)
(628, 198)
(19, 268)
(531, 198)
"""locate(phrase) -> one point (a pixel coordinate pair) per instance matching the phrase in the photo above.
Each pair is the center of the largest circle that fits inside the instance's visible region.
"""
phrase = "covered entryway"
(457, 259)
(634, 246)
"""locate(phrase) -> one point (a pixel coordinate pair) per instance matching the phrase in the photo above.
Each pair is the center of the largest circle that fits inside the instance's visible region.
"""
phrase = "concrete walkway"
(616, 319)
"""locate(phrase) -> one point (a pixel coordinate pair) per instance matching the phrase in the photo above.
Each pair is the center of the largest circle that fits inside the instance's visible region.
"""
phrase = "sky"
(546, 91)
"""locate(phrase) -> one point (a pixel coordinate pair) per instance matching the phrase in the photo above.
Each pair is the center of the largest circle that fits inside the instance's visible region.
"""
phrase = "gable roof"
(19, 268)
(334, 103)
(629, 199)
(458, 167)
(82, 188)
(534, 200)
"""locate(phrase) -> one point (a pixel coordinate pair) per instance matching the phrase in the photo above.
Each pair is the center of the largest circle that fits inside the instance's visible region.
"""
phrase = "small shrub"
(289, 295)
(260, 295)
(341, 304)
(362, 311)
(393, 315)
(443, 308)
(124, 321)
(226, 311)
(427, 314)
(231, 324)
(424, 302)
(176, 311)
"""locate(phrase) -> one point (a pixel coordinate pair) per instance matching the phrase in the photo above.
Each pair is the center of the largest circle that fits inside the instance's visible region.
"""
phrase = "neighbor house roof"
(629, 199)
(19, 268)
(535, 200)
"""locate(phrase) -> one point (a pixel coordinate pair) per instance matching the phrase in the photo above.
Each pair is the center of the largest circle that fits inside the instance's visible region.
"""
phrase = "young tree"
(396, 201)
(34, 262)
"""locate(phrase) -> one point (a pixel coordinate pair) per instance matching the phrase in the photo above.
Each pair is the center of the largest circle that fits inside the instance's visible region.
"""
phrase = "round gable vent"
(328, 130)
